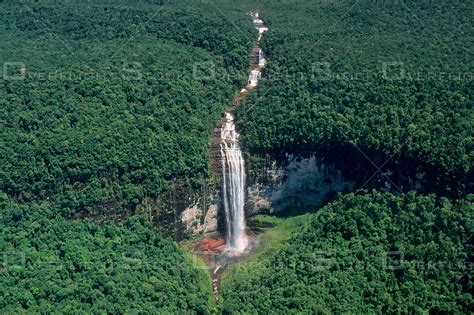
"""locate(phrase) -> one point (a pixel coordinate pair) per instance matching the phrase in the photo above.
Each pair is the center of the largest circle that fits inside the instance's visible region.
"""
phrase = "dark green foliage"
(118, 103)
(325, 90)
(361, 254)
(50, 265)
(118, 99)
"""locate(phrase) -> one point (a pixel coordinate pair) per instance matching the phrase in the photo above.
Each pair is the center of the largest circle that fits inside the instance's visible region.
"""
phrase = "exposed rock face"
(210, 220)
(301, 183)
(190, 218)
(195, 221)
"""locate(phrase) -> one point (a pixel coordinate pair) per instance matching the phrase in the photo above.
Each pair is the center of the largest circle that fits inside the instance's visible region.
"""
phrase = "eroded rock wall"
(299, 183)
(196, 219)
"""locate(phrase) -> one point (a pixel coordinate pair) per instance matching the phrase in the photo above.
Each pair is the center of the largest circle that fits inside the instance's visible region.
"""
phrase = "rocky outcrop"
(194, 220)
(299, 183)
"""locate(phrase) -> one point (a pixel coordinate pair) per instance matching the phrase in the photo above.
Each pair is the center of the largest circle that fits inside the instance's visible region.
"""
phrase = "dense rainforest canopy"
(102, 106)
(50, 265)
(366, 84)
(105, 105)
(373, 253)
(117, 99)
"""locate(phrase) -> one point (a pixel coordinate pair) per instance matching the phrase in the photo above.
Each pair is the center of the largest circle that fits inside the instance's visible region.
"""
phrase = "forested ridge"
(106, 107)
(388, 80)
(366, 84)
(102, 107)
(52, 265)
(370, 253)
(117, 100)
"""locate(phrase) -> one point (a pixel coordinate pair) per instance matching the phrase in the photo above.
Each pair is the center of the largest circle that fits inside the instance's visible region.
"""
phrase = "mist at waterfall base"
(233, 170)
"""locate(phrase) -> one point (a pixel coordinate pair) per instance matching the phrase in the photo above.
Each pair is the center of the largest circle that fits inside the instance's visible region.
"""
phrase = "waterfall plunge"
(233, 169)
(233, 173)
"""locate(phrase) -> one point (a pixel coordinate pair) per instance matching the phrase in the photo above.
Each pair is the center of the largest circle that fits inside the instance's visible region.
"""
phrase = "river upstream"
(233, 164)
(221, 251)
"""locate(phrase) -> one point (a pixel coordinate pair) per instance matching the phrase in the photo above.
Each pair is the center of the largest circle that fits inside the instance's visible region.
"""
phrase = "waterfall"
(233, 168)
(233, 173)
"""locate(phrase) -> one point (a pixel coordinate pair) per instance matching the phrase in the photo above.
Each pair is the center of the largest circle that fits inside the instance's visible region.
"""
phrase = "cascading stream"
(233, 166)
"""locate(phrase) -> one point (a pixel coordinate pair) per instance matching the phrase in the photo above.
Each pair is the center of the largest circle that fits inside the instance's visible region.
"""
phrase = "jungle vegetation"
(368, 84)
(369, 253)
(117, 100)
(102, 106)
(52, 265)
(105, 106)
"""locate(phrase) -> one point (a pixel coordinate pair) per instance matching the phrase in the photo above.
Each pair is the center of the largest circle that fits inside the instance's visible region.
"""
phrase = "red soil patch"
(211, 245)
